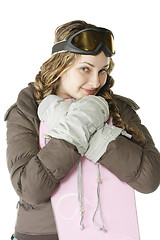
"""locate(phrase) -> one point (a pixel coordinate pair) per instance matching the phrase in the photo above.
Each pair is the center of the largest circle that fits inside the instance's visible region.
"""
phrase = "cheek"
(80, 80)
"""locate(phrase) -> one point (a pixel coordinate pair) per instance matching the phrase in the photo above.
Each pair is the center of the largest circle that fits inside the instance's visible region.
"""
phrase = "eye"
(85, 69)
(103, 71)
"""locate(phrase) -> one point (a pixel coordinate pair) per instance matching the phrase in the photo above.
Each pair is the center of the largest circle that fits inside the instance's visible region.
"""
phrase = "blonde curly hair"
(47, 80)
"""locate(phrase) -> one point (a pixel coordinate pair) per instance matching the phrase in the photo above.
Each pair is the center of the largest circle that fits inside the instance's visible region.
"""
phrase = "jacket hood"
(128, 101)
(26, 102)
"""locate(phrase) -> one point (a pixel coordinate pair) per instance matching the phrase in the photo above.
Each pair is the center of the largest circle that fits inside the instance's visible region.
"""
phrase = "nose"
(94, 81)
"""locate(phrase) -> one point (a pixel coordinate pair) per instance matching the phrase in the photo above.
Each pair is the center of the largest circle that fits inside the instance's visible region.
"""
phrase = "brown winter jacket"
(36, 173)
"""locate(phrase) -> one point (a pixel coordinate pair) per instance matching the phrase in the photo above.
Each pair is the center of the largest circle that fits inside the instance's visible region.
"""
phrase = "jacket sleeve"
(139, 167)
(35, 173)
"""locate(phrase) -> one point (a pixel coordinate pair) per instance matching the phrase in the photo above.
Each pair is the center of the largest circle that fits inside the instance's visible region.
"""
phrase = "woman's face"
(85, 77)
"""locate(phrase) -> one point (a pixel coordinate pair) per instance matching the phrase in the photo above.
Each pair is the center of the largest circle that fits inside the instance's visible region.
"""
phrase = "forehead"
(98, 61)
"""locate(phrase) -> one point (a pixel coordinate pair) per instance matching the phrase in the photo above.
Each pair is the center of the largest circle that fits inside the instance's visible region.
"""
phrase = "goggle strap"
(59, 47)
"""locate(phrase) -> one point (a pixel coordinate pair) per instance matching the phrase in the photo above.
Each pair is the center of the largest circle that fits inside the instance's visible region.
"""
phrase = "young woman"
(79, 68)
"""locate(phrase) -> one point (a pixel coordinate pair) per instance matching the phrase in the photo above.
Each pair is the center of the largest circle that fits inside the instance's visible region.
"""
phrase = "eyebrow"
(93, 65)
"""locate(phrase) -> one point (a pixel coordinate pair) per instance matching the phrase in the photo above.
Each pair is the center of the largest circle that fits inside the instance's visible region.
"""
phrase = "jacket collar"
(26, 102)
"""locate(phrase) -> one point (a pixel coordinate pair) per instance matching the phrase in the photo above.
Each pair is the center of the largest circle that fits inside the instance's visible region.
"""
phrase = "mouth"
(89, 91)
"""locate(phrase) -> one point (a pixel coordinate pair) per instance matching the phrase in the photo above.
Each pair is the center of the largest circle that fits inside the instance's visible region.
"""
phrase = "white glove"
(84, 117)
(52, 109)
(91, 110)
(100, 139)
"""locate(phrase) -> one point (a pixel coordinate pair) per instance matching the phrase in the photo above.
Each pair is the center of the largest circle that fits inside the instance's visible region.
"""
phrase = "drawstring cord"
(46, 138)
(80, 193)
(99, 181)
(80, 197)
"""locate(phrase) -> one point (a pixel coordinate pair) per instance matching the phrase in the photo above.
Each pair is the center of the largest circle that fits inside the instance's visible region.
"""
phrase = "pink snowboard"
(117, 204)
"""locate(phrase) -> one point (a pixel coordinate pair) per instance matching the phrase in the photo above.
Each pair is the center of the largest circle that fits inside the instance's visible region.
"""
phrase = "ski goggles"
(89, 41)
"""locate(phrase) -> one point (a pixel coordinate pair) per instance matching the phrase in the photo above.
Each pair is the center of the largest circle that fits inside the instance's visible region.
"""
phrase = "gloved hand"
(84, 117)
(91, 110)
(100, 139)
(52, 109)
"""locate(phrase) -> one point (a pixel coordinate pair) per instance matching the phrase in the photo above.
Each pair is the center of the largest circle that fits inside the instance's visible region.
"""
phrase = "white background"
(27, 34)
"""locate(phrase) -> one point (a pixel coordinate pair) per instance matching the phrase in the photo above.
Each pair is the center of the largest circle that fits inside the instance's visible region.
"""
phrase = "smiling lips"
(89, 91)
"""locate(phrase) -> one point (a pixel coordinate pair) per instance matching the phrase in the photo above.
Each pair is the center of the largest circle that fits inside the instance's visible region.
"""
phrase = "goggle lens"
(89, 40)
